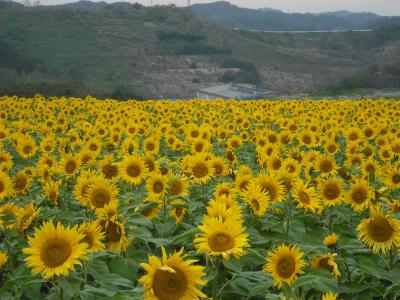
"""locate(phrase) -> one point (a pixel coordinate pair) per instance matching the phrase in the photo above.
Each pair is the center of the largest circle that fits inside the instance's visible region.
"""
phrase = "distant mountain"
(268, 19)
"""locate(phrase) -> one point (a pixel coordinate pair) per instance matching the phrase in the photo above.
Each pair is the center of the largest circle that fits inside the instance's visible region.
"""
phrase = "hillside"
(274, 20)
(136, 51)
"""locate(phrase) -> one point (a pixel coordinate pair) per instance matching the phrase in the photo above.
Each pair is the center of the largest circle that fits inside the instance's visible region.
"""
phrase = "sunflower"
(326, 261)
(359, 195)
(26, 215)
(100, 193)
(220, 166)
(3, 259)
(391, 178)
(222, 238)
(284, 263)
(85, 180)
(108, 167)
(69, 164)
(329, 296)
(54, 250)
(115, 234)
(26, 147)
(306, 197)
(6, 161)
(178, 212)
(222, 209)
(326, 165)
(151, 145)
(272, 185)
(133, 169)
(331, 240)
(52, 190)
(200, 169)
(6, 189)
(92, 236)
(242, 183)
(177, 186)
(8, 215)
(157, 186)
(257, 199)
(331, 191)
(21, 182)
(380, 232)
(172, 278)
(224, 189)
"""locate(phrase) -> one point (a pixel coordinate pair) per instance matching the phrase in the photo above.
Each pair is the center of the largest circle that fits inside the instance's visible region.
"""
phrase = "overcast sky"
(383, 7)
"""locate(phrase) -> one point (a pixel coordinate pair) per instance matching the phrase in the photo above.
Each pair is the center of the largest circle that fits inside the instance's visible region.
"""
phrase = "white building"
(233, 91)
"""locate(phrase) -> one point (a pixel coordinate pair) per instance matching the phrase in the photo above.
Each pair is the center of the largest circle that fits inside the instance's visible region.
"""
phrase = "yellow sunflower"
(157, 186)
(26, 215)
(6, 189)
(109, 168)
(284, 263)
(331, 240)
(21, 182)
(329, 296)
(85, 180)
(115, 234)
(133, 169)
(172, 278)
(54, 250)
(222, 209)
(222, 238)
(306, 197)
(177, 186)
(92, 236)
(359, 195)
(100, 193)
(52, 190)
(391, 178)
(257, 199)
(331, 191)
(69, 165)
(220, 166)
(272, 185)
(200, 169)
(326, 261)
(3, 259)
(380, 232)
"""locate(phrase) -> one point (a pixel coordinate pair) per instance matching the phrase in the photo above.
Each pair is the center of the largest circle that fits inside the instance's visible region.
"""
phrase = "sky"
(383, 7)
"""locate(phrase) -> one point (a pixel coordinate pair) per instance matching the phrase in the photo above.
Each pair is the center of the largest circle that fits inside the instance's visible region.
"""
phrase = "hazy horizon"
(382, 7)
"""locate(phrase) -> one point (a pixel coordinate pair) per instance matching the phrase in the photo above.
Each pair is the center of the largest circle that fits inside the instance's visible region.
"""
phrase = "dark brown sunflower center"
(396, 178)
(271, 189)
(199, 147)
(20, 182)
(304, 198)
(88, 239)
(2, 135)
(168, 285)
(200, 170)
(150, 146)
(218, 169)
(359, 195)
(70, 167)
(332, 148)
(306, 139)
(324, 264)
(176, 188)
(93, 147)
(220, 242)
(255, 204)
(114, 232)
(133, 170)
(100, 197)
(326, 166)
(276, 164)
(380, 229)
(353, 136)
(28, 149)
(158, 187)
(55, 252)
(110, 171)
(331, 191)
(235, 144)
(286, 267)
(2, 187)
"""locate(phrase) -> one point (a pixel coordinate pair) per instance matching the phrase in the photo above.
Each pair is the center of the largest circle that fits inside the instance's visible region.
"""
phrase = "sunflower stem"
(61, 294)
(215, 291)
(391, 259)
(164, 210)
(288, 211)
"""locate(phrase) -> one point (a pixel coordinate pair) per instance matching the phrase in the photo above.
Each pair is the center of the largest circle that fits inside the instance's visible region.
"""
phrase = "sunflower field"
(169, 200)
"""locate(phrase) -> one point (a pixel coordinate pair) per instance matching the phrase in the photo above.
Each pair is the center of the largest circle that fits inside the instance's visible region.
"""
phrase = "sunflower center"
(158, 187)
(218, 169)
(396, 178)
(2, 135)
(326, 166)
(150, 146)
(93, 147)
(20, 182)
(276, 164)
(255, 204)
(200, 170)
(304, 198)
(324, 263)
(176, 188)
(331, 191)
(380, 229)
(179, 211)
(306, 139)
(2, 187)
(332, 148)
(88, 239)
(110, 171)
(270, 188)
(220, 242)
(114, 233)
(359, 195)
(100, 197)
(55, 252)
(286, 267)
(168, 285)
(199, 147)
(27, 149)
(70, 167)
(133, 170)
